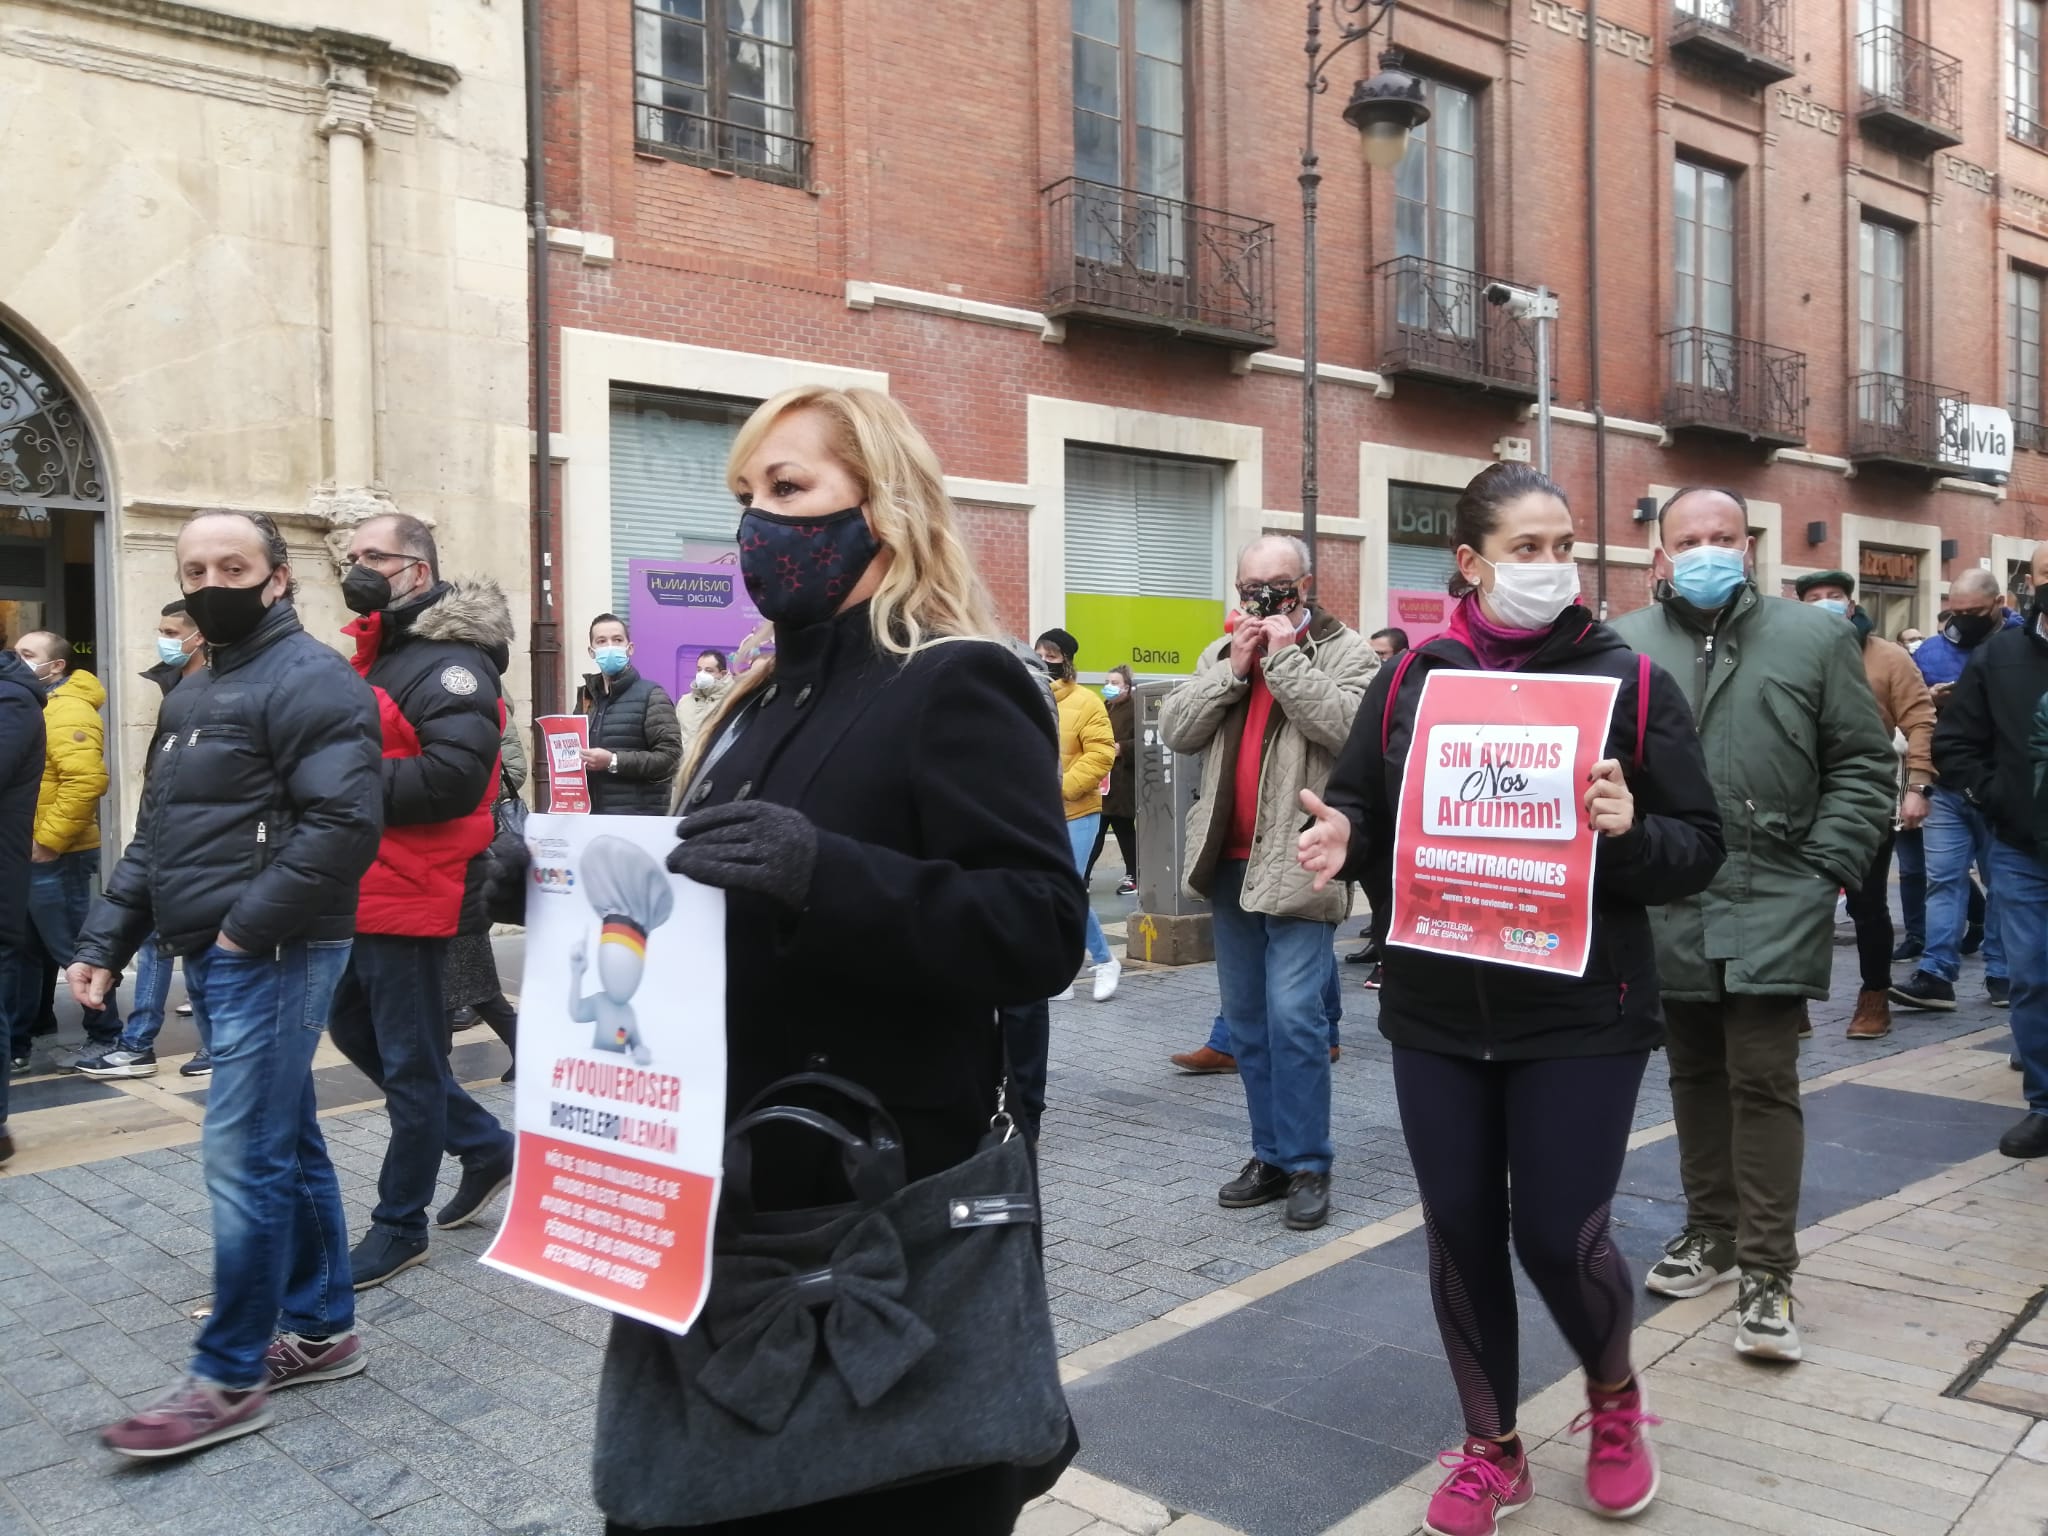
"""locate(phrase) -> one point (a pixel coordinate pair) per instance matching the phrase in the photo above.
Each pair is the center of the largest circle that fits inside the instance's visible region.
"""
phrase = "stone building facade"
(1067, 234)
(271, 257)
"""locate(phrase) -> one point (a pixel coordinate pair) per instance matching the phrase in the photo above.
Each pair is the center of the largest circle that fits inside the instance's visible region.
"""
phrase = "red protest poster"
(568, 780)
(620, 1110)
(1492, 856)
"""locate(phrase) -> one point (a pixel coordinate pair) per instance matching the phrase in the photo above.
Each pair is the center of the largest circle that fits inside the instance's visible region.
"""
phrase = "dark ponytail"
(1478, 511)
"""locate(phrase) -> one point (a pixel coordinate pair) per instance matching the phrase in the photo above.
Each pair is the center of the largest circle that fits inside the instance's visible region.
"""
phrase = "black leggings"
(1559, 1130)
(1870, 909)
(1126, 830)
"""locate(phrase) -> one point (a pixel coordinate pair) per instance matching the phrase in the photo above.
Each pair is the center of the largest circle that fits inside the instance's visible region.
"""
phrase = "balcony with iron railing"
(2029, 430)
(1435, 323)
(1131, 258)
(1907, 422)
(1733, 385)
(1911, 90)
(2025, 124)
(1751, 38)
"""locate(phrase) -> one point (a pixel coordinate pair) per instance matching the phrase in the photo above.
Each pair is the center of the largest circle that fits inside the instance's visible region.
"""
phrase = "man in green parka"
(1804, 774)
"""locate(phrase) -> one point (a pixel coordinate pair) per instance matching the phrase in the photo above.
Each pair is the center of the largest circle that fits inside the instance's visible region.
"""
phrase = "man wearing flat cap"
(1906, 708)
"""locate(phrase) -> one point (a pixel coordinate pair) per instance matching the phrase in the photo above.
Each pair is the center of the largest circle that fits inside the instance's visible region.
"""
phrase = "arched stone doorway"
(53, 508)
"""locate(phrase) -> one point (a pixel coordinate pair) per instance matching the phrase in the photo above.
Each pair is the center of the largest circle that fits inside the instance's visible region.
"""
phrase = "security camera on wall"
(1521, 303)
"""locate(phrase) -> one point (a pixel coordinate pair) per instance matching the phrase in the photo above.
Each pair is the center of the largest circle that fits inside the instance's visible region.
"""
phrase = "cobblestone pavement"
(476, 1414)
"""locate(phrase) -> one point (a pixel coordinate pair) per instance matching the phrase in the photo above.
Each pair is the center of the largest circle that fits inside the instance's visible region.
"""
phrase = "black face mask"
(798, 571)
(227, 614)
(1268, 598)
(1970, 630)
(365, 590)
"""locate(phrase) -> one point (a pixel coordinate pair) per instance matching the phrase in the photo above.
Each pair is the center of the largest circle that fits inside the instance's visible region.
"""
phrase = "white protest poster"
(620, 1108)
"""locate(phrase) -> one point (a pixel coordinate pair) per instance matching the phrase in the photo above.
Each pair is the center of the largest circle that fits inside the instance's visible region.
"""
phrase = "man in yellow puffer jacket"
(1087, 748)
(65, 870)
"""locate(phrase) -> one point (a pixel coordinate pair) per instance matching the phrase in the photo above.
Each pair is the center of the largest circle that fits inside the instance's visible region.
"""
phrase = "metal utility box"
(1170, 925)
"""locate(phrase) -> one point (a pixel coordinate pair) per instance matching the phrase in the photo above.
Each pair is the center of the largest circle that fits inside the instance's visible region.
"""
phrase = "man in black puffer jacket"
(636, 746)
(259, 816)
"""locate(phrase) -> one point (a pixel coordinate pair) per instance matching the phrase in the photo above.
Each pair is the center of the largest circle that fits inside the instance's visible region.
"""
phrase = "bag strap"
(1393, 692)
(874, 1173)
(1642, 705)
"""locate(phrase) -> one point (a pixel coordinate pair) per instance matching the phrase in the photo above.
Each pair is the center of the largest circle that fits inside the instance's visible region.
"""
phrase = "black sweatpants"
(1558, 1130)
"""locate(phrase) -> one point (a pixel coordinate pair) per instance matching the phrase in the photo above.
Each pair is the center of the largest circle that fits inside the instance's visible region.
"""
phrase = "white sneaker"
(1066, 996)
(1764, 1328)
(1107, 975)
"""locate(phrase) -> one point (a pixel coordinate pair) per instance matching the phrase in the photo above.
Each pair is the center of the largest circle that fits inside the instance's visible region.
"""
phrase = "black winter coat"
(262, 811)
(1462, 1007)
(634, 717)
(945, 888)
(1981, 738)
(1122, 799)
(166, 677)
(21, 778)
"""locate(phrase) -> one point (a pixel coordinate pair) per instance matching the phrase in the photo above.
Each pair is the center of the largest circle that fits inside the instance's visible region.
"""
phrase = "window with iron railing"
(1878, 68)
(1130, 124)
(1703, 204)
(2023, 72)
(715, 83)
(1436, 202)
(1881, 313)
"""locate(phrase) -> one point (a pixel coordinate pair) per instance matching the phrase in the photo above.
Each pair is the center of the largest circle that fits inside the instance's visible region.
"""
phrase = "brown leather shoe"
(1873, 1020)
(1199, 1063)
(1336, 1051)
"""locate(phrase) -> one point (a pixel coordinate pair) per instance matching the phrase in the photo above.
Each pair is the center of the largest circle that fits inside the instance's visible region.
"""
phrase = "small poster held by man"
(568, 780)
(1493, 859)
(621, 1103)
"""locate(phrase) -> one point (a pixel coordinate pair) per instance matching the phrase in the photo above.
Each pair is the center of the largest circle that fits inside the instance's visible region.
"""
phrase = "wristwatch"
(1926, 790)
(613, 765)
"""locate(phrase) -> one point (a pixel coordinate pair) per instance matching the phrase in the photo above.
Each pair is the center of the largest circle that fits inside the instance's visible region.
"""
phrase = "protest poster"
(682, 608)
(568, 779)
(620, 1109)
(1493, 859)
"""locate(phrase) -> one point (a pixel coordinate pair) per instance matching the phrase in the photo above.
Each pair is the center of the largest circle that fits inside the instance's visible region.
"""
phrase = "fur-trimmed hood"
(474, 612)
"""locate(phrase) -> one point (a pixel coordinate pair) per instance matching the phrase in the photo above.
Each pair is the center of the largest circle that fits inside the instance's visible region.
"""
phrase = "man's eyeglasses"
(376, 557)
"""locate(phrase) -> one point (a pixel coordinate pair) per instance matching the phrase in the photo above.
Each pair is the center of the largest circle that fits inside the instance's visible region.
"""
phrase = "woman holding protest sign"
(878, 803)
(1527, 1074)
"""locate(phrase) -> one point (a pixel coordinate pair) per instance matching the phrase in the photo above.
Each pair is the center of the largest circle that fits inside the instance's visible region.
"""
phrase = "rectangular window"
(1881, 300)
(1716, 13)
(669, 496)
(2023, 353)
(714, 82)
(1879, 68)
(1419, 555)
(1436, 215)
(1144, 569)
(1130, 132)
(1703, 250)
(2023, 71)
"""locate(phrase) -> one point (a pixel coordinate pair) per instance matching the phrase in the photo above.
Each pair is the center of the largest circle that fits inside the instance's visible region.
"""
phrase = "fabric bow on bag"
(764, 1318)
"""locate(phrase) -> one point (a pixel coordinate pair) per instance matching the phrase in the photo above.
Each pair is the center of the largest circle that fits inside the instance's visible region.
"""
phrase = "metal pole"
(546, 645)
(1311, 180)
(1543, 380)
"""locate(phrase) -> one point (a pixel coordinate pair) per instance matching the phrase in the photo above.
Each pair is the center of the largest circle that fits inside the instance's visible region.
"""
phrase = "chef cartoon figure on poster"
(630, 894)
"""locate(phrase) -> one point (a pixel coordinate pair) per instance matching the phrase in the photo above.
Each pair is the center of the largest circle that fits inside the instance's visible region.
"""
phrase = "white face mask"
(705, 679)
(1530, 595)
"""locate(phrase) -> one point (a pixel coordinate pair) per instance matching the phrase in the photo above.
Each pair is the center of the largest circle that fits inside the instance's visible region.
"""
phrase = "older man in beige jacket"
(1271, 706)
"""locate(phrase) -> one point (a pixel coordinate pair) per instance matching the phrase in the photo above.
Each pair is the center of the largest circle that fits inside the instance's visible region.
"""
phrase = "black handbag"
(505, 862)
(897, 1337)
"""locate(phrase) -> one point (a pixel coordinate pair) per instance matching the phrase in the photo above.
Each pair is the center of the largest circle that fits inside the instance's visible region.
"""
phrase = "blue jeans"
(2021, 882)
(1333, 1008)
(1955, 836)
(390, 1022)
(60, 893)
(1273, 973)
(1081, 833)
(146, 1003)
(280, 1241)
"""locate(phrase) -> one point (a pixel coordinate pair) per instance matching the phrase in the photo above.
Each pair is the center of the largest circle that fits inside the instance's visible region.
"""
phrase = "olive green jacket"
(1804, 774)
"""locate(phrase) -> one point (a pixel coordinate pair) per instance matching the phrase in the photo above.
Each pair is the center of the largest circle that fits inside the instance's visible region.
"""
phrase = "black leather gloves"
(749, 845)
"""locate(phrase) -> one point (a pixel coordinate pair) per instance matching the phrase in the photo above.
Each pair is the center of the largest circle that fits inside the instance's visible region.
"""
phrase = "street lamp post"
(1383, 110)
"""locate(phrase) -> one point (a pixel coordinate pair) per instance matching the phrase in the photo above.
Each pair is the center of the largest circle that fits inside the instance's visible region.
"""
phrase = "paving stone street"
(476, 1413)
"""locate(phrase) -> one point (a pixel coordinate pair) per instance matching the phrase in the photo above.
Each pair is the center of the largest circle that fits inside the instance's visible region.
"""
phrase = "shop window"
(1144, 566)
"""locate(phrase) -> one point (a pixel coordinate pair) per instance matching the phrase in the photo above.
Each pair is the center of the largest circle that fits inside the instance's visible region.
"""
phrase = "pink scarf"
(1498, 648)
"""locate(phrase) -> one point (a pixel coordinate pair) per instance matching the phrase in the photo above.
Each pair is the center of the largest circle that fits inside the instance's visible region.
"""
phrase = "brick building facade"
(1067, 234)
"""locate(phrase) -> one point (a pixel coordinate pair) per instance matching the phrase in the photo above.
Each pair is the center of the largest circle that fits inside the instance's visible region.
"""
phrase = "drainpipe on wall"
(547, 645)
(1593, 299)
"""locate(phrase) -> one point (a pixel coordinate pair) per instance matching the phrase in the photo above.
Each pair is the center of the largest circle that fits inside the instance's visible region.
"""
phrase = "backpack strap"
(1642, 705)
(1393, 693)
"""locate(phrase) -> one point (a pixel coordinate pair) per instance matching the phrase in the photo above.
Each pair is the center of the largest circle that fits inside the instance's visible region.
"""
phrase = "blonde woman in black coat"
(886, 823)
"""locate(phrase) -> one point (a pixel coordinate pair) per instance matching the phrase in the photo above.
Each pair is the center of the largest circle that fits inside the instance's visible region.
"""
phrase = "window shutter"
(1418, 567)
(668, 478)
(1139, 526)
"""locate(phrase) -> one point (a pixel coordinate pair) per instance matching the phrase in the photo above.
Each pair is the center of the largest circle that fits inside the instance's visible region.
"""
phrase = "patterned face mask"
(1261, 600)
(799, 571)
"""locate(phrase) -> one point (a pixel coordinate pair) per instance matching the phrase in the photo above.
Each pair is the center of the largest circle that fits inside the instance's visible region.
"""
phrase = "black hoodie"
(1461, 1007)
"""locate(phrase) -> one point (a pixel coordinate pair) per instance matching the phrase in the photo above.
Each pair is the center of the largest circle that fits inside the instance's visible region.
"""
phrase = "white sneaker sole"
(1686, 1290)
(105, 1074)
(258, 1420)
(1498, 1515)
(1765, 1350)
(411, 1262)
(1656, 1482)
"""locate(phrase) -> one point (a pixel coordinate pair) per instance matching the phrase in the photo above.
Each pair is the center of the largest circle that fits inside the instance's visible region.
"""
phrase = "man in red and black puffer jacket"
(434, 651)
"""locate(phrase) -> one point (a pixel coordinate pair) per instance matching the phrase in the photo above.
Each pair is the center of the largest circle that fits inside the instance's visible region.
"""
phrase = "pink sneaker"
(192, 1415)
(1487, 1481)
(1621, 1468)
(292, 1361)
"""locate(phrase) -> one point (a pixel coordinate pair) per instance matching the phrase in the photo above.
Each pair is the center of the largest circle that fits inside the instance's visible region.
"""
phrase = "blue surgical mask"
(171, 652)
(1708, 575)
(1112, 690)
(611, 659)
(1839, 607)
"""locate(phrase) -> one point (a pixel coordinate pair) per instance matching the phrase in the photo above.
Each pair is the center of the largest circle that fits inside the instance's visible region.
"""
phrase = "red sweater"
(1251, 749)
